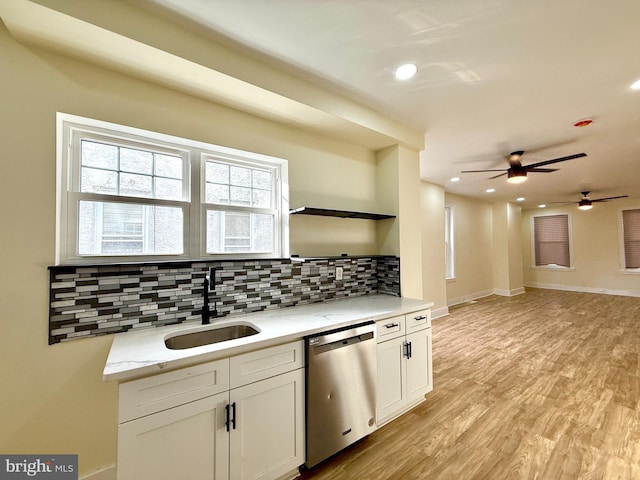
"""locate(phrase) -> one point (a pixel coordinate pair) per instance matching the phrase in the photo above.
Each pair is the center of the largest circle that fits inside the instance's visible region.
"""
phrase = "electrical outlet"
(339, 273)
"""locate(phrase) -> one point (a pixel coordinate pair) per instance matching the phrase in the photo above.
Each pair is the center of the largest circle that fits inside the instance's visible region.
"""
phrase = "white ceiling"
(494, 76)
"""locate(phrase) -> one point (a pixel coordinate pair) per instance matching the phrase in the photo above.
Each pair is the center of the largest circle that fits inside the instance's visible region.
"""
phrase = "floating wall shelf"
(324, 212)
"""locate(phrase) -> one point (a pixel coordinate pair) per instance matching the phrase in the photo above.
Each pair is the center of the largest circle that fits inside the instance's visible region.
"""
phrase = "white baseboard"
(439, 312)
(468, 298)
(508, 293)
(577, 288)
(106, 473)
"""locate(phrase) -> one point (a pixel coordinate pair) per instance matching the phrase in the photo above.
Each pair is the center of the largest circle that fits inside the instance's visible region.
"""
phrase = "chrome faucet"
(206, 312)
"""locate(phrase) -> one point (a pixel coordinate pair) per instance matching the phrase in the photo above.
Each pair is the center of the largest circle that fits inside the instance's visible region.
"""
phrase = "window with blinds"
(551, 240)
(631, 238)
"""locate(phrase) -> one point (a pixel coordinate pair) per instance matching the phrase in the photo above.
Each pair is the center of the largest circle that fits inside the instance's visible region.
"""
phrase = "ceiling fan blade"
(555, 160)
(608, 198)
(476, 171)
(500, 175)
(546, 170)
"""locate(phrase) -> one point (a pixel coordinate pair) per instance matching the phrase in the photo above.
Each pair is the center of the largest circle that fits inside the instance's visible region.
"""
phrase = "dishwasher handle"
(341, 334)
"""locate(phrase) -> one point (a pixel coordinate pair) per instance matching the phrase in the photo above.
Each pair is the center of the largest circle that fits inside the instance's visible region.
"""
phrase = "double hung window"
(126, 194)
(631, 238)
(448, 243)
(551, 241)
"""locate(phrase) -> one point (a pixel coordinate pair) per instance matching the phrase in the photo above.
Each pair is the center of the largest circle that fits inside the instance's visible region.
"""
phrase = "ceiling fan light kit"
(585, 205)
(516, 176)
(517, 173)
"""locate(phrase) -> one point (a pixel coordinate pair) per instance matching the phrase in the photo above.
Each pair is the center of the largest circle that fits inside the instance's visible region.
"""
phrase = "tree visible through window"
(551, 240)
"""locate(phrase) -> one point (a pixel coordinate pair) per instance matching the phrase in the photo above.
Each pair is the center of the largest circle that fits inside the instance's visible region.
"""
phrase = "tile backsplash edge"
(87, 301)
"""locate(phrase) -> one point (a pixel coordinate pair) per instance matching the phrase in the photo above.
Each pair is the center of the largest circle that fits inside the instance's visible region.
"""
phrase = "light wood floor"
(542, 386)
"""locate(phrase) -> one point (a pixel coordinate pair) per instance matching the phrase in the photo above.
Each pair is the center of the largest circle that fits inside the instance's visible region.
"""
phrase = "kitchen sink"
(212, 335)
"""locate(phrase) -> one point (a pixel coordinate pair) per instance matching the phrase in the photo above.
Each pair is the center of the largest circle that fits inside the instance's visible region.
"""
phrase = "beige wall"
(53, 397)
(507, 249)
(473, 243)
(432, 199)
(596, 251)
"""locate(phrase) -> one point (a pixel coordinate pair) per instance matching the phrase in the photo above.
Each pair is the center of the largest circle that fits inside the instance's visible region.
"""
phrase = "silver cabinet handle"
(392, 325)
(422, 317)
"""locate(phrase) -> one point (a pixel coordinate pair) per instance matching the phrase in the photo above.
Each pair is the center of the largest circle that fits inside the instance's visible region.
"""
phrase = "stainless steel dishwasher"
(341, 389)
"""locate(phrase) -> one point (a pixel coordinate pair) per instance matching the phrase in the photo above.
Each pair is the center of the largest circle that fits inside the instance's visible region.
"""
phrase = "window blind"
(631, 238)
(551, 240)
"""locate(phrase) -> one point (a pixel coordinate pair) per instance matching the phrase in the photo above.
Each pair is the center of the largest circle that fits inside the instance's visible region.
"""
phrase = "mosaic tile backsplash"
(100, 300)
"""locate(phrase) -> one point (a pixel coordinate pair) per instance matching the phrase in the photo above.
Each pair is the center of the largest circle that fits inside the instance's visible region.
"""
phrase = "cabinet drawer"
(418, 320)
(389, 328)
(148, 395)
(253, 366)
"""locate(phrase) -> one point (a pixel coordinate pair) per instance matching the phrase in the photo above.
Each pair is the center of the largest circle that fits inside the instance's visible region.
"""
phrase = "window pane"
(262, 179)
(217, 173)
(262, 233)
(130, 172)
(168, 189)
(631, 238)
(262, 198)
(551, 240)
(136, 185)
(240, 176)
(99, 155)
(136, 161)
(129, 229)
(240, 196)
(229, 232)
(215, 193)
(99, 181)
(168, 166)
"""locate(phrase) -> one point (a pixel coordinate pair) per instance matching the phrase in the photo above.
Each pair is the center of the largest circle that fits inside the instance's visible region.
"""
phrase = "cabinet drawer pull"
(422, 317)
(230, 417)
(233, 413)
(392, 325)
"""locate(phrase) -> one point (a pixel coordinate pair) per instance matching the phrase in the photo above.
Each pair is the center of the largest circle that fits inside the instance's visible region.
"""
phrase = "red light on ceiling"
(583, 123)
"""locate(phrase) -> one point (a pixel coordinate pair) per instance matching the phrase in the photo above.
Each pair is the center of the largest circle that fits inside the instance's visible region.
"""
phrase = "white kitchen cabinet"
(185, 442)
(192, 424)
(267, 440)
(404, 364)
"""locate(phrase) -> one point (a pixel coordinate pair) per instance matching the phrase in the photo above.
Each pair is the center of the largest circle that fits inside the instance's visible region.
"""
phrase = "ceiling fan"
(585, 202)
(517, 173)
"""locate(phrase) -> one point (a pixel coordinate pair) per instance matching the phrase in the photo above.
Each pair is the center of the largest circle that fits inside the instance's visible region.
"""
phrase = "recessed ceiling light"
(455, 179)
(406, 71)
(520, 199)
(542, 205)
(490, 190)
(635, 85)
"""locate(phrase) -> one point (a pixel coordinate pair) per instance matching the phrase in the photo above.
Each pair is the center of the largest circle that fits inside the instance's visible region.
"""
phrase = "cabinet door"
(390, 398)
(189, 441)
(419, 373)
(268, 438)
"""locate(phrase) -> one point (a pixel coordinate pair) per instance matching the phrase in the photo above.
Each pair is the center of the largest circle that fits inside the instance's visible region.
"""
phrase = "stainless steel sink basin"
(207, 337)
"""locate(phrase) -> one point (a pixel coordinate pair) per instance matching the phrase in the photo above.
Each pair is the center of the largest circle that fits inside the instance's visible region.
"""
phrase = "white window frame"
(71, 128)
(623, 267)
(533, 244)
(449, 233)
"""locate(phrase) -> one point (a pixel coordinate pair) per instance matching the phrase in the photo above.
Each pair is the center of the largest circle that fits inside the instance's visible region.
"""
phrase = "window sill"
(451, 279)
(552, 268)
(629, 271)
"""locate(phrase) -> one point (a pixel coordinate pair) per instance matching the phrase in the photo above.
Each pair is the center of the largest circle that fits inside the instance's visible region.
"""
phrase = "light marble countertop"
(139, 353)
